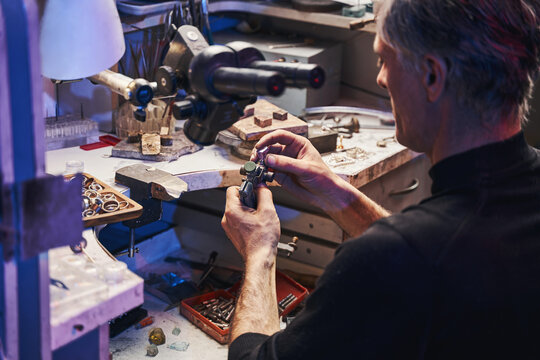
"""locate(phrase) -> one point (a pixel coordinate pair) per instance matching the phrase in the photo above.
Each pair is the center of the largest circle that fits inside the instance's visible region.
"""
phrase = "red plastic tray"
(284, 286)
(186, 309)
(104, 140)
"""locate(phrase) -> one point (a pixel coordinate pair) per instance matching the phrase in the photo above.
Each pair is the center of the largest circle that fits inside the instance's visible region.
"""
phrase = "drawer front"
(402, 187)
(292, 219)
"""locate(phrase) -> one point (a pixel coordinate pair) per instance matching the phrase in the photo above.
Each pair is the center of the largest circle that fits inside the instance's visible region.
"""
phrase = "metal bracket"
(289, 248)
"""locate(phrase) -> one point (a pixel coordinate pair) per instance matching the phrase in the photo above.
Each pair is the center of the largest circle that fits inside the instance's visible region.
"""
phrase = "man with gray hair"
(454, 277)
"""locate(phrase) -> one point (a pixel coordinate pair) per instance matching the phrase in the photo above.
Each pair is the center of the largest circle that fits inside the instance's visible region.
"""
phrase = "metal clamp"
(289, 248)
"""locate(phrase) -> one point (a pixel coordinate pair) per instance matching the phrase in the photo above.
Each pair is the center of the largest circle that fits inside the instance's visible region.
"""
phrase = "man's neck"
(463, 133)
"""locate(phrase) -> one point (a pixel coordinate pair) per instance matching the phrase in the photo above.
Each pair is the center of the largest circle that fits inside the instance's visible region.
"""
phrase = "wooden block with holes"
(247, 130)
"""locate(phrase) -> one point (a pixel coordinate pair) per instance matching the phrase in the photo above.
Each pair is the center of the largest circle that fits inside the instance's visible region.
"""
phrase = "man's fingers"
(277, 136)
(291, 142)
(233, 198)
(264, 198)
(287, 164)
(272, 149)
(232, 192)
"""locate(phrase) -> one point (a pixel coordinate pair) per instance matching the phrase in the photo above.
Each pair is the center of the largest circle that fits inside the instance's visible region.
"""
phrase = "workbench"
(215, 167)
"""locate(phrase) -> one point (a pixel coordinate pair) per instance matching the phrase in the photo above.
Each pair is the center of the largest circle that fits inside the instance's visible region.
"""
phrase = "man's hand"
(299, 168)
(254, 233)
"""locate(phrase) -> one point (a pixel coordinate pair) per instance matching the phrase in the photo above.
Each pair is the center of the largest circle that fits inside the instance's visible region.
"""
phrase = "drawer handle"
(410, 188)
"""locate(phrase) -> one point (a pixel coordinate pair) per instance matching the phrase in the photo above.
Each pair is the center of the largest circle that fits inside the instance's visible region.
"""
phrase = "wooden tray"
(132, 211)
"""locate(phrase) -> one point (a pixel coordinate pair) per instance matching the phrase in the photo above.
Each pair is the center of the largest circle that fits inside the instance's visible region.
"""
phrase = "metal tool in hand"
(256, 173)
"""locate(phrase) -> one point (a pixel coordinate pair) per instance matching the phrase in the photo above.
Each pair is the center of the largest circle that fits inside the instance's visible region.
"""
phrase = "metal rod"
(115, 81)
(57, 95)
(131, 242)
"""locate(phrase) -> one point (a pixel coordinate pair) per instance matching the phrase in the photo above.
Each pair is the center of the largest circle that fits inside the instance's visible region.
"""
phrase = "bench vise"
(149, 187)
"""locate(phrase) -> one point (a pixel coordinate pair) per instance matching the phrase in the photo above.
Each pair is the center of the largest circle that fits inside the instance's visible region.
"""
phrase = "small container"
(114, 272)
(74, 167)
(186, 309)
(284, 286)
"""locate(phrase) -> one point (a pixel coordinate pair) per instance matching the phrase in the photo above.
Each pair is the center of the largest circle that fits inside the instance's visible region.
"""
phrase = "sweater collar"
(479, 165)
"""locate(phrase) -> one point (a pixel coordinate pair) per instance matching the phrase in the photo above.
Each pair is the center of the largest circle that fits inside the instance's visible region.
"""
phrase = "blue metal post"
(21, 26)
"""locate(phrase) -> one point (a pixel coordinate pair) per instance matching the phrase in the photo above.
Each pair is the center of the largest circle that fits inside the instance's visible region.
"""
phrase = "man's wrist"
(264, 257)
(261, 260)
(339, 198)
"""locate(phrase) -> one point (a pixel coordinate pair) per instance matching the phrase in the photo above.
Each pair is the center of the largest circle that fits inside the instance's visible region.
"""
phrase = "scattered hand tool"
(59, 284)
(209, 268)
(81, 248)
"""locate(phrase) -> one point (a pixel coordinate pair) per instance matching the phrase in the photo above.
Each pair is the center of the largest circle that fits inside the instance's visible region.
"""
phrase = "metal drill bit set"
(219, 311)
(286, 301)
(213, 312)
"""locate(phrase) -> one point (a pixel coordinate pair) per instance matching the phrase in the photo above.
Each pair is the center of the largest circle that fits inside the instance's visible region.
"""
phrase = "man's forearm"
(256, 308)
(353, 211)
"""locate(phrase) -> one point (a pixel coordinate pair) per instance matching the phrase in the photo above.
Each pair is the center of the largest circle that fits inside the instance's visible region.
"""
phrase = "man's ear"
(434, 73)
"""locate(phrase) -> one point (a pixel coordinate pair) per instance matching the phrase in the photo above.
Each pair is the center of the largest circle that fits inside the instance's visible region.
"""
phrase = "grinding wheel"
(316, 5)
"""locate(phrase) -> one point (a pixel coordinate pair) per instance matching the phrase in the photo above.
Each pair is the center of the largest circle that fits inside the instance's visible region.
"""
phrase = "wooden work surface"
(372, 159)
(214, 166)
(246, 129)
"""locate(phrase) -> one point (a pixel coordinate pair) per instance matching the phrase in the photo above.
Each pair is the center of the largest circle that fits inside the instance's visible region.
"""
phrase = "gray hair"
(491, 47)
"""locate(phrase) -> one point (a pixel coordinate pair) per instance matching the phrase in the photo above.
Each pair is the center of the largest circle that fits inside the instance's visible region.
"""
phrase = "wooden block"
(263, 120)
(150, 144)
(280, 114)
(248, 111)
(134, 137)
(164, 130)
(246, 129)
(166, 140)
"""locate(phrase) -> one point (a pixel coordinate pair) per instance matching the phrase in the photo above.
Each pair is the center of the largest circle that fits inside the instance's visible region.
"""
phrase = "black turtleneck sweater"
(454, 277)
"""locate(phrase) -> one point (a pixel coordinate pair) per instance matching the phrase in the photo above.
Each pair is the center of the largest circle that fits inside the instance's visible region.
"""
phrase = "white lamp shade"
(80, 38)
